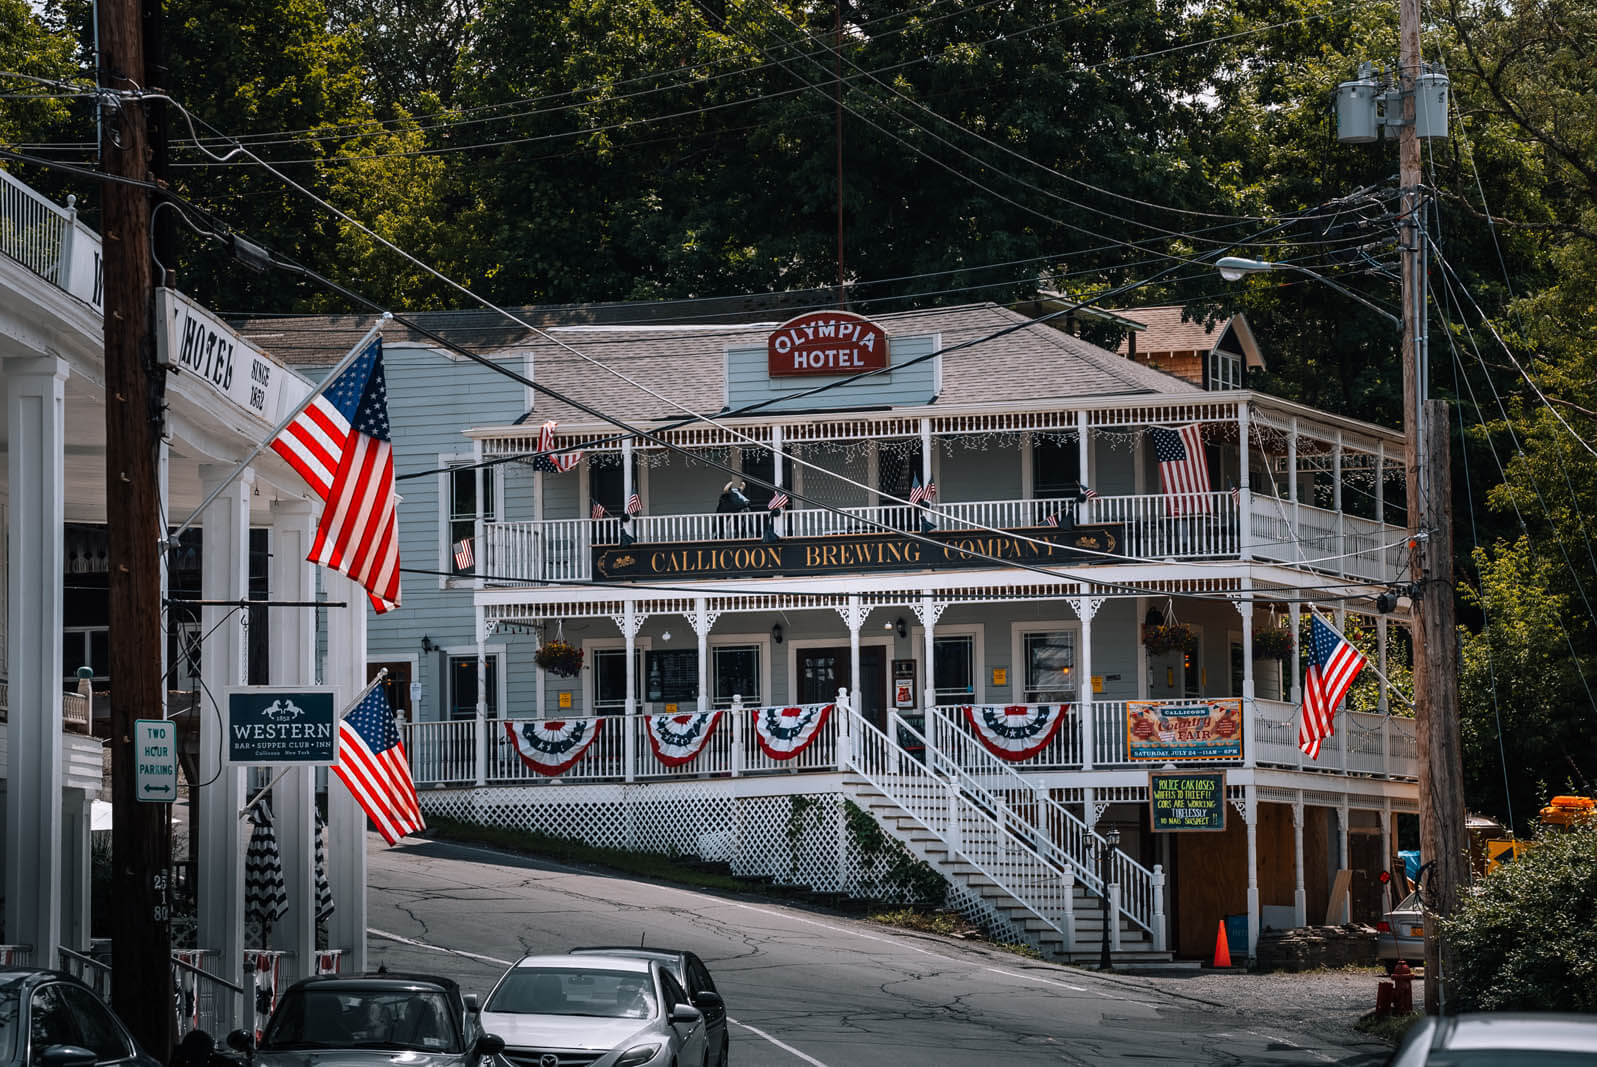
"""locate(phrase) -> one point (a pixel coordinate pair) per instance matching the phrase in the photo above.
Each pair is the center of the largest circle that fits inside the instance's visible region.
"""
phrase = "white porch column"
(1250, 708)
(479, 544)
(224, 576)
(1251, 814)
(1380, 481)
(1342, 709)
(346, 822)
(778, 519)
(1086, 607)
(1343, 814)
(1300, 898)
(1336, 499)
(1083, 458)
(1245, 484)
(703, 620)
(1292, 487)
(630, 622)
(925, 454)
(480, 734)
(928, 611)
(1297, 662)
(1380, 652)
(292, 662)
(854, 614)
(627, 488)
(35, 441)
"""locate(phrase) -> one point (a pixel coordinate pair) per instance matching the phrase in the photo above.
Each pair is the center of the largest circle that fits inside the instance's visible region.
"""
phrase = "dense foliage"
(1526, 939)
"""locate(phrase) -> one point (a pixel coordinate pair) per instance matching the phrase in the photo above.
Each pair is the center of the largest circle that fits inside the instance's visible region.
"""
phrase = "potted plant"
(1161, 638)
(559, 658)
(1272, 643)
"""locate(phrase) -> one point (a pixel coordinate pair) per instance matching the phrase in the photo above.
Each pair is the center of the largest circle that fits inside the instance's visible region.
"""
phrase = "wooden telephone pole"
(1426, 457)
(141, 847)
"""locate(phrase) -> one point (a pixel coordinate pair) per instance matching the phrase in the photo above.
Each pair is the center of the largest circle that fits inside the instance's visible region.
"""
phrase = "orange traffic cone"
(1222, 948)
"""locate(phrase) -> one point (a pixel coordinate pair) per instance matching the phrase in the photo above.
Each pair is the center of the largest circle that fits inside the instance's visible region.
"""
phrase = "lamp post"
(1111, 841)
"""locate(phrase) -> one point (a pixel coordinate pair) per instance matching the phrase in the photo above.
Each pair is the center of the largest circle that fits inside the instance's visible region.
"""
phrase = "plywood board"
(1339, 891)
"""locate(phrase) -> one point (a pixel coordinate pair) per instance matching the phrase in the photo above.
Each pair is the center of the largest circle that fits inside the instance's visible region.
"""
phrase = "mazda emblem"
(548, 1059)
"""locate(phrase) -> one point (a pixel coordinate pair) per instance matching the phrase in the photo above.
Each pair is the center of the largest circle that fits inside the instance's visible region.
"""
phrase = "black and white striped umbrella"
(265, 893)
(324, 892)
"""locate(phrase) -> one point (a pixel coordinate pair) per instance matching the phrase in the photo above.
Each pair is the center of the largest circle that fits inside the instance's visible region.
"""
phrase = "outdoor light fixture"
(903, 631)
(776, 633)
(1111, 841)
(1232, 268)
(1235, 268)
(427, 644)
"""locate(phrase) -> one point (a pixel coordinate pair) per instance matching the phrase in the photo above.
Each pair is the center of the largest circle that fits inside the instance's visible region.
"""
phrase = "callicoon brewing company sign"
(826, 342)
(852, 554)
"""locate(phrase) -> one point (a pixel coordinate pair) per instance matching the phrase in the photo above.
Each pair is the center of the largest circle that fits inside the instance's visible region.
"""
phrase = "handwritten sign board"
(1183, 730)
(268, 726)
(1186, 800)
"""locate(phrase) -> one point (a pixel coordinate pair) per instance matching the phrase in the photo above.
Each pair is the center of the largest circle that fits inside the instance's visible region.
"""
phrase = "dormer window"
(1225, 370)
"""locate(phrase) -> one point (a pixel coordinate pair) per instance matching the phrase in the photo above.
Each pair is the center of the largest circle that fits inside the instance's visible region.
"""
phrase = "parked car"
(368, 1018)
(50, 1019)
(1400, 935)
(687, 968)
(597, 1011)
(1500, 1039)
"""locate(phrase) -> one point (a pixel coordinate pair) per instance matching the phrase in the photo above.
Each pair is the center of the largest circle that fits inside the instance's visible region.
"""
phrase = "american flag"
(1089, 493)
(464, 556)
(1052, 519)
(547, 460)
(634, 504)
(922, 494)
(779, 500)
(1183, 469)
(358, 534)
(372, 763)
(1333, 664)
(597, 511)
(313, 444)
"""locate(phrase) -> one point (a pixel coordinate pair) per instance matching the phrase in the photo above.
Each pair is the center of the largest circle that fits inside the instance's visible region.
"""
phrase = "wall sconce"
(902, 630)
(427, 644)
(776, 632)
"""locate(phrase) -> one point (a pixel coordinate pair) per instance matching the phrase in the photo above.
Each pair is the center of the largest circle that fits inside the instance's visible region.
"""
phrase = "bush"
(1526, 936)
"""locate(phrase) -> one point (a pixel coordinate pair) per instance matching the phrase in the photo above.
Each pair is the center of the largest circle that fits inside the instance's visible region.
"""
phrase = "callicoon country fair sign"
(854, 553)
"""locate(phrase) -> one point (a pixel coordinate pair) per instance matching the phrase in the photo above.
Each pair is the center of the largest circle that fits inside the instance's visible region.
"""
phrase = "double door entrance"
(823, 671)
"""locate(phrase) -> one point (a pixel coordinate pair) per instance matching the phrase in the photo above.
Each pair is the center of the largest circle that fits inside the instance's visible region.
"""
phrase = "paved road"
(802, 987)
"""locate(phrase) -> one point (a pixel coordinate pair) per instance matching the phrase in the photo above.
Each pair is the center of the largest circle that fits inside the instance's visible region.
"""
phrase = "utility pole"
(1426, 461)
(141, 975)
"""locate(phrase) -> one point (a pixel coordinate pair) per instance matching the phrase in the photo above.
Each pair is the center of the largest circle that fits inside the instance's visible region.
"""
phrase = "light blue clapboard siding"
(968, 474)
(748, 381)
(562, 496)
(431, 400)
(683, 486)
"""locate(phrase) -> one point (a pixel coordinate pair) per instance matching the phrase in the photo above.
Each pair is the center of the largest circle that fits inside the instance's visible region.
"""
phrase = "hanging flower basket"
(557, 657)
(1160, 638)
(1272, 643)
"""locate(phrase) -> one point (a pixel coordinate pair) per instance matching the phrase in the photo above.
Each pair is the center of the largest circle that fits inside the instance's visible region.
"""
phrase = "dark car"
(1500, 1039)
(689, 970)
(50, 1019)
(349, 1020)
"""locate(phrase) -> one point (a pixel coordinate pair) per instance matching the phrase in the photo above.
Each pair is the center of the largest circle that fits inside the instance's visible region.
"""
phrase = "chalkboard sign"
(671, 675)
(1186, 800)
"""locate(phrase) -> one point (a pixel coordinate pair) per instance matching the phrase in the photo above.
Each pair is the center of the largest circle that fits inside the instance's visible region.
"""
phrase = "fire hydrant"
(1403, 989)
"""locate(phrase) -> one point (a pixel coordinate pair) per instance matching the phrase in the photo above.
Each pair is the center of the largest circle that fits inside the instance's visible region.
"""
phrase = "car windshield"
(597, 992)
(362, 1018)
(10, 1010)
(1410, 903)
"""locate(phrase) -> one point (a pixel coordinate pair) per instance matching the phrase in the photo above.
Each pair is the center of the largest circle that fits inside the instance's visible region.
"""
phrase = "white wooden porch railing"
(1057, 835)
(1152, 532)
(31, 229)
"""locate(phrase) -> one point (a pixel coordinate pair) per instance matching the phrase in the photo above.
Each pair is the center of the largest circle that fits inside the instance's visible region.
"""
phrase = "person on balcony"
(732, 501)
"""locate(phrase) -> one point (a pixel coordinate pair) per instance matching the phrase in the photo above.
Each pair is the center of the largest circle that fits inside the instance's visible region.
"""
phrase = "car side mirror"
(473, 1005)
(709, 1000)
(488, 1045)
(241, 1041)
(686, 1013)
(66, 1056)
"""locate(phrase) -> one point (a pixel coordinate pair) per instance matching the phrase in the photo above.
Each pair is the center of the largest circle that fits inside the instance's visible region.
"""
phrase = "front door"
(396, 685)
(823, 671)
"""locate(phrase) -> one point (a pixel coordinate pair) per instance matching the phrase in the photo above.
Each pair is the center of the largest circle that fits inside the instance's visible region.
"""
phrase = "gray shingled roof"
(686, 364)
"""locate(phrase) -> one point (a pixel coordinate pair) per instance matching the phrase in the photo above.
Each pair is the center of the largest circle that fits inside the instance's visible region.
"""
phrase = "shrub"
(1526, 936)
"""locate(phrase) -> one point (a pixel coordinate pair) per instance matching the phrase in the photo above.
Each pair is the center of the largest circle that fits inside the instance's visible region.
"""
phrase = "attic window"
(1225, 370)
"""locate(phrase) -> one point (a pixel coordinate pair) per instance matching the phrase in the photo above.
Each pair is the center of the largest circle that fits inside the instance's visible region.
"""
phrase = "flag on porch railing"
(779, 500)
(922, 494)
(1333, 664)
(547, 460)
(1052, 519)
(596, 511)
(634, 503)
(465, 553)
(1183, 468)
(1088, 492)
(372, 763)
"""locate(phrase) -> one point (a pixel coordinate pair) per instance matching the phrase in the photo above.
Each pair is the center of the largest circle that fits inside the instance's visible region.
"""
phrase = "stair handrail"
(1083, 842)
(867, 735)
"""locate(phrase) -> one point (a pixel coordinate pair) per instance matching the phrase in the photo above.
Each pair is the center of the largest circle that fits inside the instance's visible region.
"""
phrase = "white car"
(594, 1011)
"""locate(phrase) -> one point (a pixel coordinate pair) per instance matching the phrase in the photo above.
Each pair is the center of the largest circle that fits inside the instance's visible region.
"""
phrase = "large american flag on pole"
(1333, 664)
(359, 531)
(1183, 469)
(313, 444)
(372, 763)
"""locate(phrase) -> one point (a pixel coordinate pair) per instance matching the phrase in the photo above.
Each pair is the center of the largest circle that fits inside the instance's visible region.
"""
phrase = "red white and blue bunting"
(549, 746)
(1018, 731)
(785, 732)
(678, 739)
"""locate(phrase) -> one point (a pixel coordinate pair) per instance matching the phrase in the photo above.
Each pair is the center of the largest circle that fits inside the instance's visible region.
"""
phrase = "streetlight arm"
(1234, 268)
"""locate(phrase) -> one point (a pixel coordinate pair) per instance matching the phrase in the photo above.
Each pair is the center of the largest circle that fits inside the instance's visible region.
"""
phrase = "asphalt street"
(804, 987)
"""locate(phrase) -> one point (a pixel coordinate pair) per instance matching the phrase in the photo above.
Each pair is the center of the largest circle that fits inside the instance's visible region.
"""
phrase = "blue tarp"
(1411, 863)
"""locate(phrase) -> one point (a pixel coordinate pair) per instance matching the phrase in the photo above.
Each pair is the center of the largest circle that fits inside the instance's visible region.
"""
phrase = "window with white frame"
(1049, 659)
(460, 524)
(1225, 370)
(1055, 467)
(954, 668)
(86, 646)
(463, 686)
(735, 671)
(610, 680)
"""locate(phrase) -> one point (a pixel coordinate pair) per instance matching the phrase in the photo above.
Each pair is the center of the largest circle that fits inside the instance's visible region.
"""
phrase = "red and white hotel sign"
(826, 342)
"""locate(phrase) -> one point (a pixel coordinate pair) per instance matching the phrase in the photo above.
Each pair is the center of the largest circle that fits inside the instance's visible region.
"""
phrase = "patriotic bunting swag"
(785, 732)
(549, 746)
(1018, 731)
(678, 739)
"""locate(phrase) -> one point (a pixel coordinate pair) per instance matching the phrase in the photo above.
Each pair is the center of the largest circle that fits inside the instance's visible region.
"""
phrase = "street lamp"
(1111, 841)
(1235, 268)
